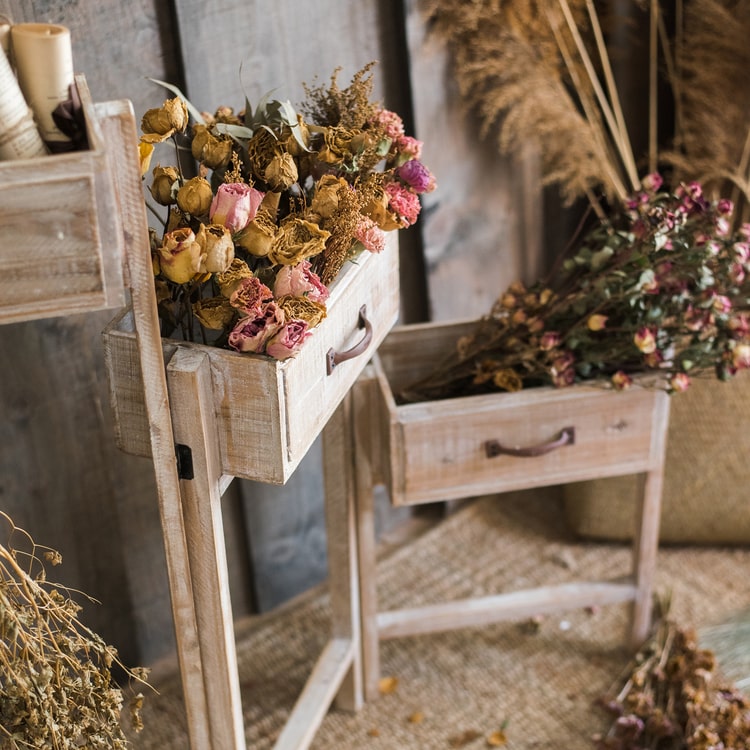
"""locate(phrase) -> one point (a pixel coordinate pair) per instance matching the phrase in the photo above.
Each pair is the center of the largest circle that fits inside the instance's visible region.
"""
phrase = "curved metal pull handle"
(334, 358)
(567, 436)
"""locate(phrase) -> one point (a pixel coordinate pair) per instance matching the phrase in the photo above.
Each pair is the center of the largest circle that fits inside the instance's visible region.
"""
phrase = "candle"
(44, 64)
(19, 137)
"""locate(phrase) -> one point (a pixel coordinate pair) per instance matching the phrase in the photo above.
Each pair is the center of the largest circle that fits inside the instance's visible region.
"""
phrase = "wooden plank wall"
(60, 475)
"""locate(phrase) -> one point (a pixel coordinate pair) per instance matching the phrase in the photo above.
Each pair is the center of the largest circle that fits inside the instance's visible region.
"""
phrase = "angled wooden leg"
(648, 515)
(343, 576)
(189, 380)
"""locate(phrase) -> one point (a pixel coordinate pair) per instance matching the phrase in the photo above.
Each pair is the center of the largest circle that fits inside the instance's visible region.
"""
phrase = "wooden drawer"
(268, 411)
(446, 449)
(62, 241)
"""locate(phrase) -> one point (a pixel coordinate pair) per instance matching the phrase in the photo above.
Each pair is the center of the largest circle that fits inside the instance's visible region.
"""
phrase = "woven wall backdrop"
(456, 689)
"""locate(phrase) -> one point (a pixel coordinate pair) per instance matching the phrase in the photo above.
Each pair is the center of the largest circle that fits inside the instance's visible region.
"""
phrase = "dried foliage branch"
(56, 684)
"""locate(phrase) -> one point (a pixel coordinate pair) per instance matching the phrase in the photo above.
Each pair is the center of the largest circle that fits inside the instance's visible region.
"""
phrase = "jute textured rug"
(456, 689)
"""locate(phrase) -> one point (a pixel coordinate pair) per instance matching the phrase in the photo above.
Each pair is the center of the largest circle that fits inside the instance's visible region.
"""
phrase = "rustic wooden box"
(62, 240)
(269, 411)
(448, 449)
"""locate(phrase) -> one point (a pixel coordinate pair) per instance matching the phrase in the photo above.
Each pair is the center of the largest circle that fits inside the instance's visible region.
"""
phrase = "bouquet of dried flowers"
(659, 283)
(662, 289)
(671, 699)
(57, 689)
(280, 203)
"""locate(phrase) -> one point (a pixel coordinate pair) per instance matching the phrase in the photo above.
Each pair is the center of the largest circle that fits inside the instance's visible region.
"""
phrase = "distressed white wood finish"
(176, 387)
(62, 242)
(269, 412)
(436, 451)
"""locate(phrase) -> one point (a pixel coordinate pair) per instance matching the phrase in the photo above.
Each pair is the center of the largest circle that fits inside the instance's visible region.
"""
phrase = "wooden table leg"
(648, 516)
(189, 380)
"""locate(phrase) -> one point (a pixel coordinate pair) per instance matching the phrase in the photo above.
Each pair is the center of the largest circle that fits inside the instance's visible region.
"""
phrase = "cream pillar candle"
(19, 137)
(44, 65)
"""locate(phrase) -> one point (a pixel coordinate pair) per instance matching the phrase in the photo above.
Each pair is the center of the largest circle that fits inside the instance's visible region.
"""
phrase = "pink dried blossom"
(235, 205)
(300, 281)
(403, 203)
(251, 334)
(416, 176)
(679, 382)
(390, 123)
(288, 341)
(409, 147)
(652, 182)
(370, 235)
(721, 304)
(250, 296)
(621, 380)
(550, 340)
(645, 340)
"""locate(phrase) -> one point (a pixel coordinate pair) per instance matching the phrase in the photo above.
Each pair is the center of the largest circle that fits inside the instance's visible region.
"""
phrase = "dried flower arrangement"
(281, 202)
(57, 689)
(671, 699)
(659, 283)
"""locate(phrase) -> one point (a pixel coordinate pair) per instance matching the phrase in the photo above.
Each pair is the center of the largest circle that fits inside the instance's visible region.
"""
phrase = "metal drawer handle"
(334, 358)
(567, 436)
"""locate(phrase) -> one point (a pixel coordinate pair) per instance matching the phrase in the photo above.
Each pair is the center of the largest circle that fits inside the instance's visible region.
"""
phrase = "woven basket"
(706, 496)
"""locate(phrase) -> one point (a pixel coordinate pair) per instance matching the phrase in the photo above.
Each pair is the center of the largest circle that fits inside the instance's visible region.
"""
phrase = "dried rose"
(230, 279)
(218, 248)
(377, 207)
(161, 185)
(288, 341)
(297, 239)
(250, 297)
(180, 255)
(416, 176)
(741, 356)
(370, 235)
(195, 196)
(302, 308)
(281, 172)
(235, 205)
(164, 121)
(550, 340)
(596, 322)
(258, 236)
(403, 203)
(621, 380)
(336, 145)
(679, 382)
(300, 281)
(645, 340)
(325, 202)
(215, 313)
(251, 334)
(213, 151)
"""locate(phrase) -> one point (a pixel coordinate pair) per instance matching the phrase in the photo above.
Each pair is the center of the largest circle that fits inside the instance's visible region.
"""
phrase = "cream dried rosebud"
(195, 196)
(621, 380)
(180, 256)
(741, 356)
(164, 179)
(209, 149)
(218, 248)
(679, 382)
(165, 120)
(281, 172)
(645, 340)
(597, 322)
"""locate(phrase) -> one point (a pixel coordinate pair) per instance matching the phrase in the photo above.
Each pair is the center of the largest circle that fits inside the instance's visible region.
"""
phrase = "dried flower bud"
(215, 152)
(597, 322)
(161, 185)
(258, 236)
(218, 248)
(180, 255)
(297, 239)
(281, 172)
(165, 120)
(195, 196)
(325, 202)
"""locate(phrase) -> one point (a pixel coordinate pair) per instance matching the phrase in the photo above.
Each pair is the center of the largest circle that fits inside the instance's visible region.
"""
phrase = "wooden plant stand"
(478, 445)
(210, 409)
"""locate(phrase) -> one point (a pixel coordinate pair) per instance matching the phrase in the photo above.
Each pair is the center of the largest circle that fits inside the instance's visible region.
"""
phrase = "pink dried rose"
(370, 235)
(416, 176)
(652, 182)
(721, 304)
(300, 281)
(549, 340)
(288, 341)
(235, 205)
(251, 334)
(390, 123)
(621, 380)
(645, 340)
(679, 382)
(409, 147)
(403, 202)
(250, 297)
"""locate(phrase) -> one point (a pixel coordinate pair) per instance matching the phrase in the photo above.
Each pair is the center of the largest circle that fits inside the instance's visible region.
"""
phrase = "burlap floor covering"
(539, 684)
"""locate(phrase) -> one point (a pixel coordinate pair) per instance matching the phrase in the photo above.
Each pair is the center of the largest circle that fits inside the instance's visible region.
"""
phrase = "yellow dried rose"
(218, 248)
(281, 172)
(336, 145)
(291, 144)
(376, 207)
(195, 196)
(259, 235)
(230, 279)
(215, 313)
(261, 148)
(161, 184)
(297, 239)
(213, 151)
(302, 308)
(164, 121)
(325, 202)
(180, 255)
